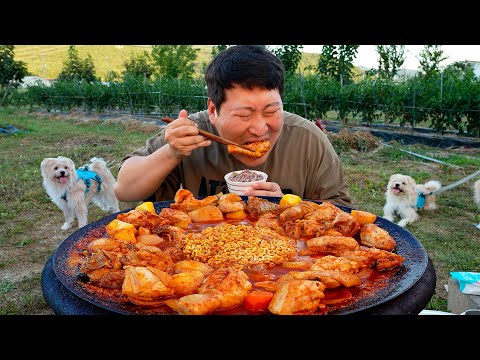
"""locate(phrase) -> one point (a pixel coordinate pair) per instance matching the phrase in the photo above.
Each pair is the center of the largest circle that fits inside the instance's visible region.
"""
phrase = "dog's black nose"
(62, 173)
(397, 185)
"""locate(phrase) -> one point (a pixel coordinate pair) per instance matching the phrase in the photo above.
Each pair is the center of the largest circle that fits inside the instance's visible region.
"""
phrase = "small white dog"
(73, 190)
(476, 197)
(404, 197)
(476, 193)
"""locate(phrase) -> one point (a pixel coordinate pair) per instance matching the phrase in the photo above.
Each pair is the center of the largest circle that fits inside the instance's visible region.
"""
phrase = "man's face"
(248, 116)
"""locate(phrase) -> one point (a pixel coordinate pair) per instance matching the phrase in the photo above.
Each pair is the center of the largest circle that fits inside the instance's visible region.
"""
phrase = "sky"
(367, 55)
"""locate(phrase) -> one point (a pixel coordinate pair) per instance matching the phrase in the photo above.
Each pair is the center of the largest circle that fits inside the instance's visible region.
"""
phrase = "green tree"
(175, 60)
(11, 71)
(218, 48)
(139, 64)
(291, 55)
(459, 70)
(430, 58)
(112, 76)
(391, 58)
(336, 61)
(75, 68)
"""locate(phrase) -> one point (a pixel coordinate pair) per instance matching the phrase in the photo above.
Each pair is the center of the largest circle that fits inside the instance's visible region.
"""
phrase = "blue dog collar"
(421, 199)
(88, 176)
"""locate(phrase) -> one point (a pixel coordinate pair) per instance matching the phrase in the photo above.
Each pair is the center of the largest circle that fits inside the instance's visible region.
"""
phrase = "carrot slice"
(258, 301)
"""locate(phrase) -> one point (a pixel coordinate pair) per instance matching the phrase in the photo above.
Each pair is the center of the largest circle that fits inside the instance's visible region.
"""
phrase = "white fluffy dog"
(73, 190)
(403, 199)
(476, 193)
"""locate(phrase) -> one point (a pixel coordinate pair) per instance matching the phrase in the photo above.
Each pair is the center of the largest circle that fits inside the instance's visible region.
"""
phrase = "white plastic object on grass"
(469, 282)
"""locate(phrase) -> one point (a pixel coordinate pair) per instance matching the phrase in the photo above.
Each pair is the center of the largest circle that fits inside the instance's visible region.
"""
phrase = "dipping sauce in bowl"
(239, 180)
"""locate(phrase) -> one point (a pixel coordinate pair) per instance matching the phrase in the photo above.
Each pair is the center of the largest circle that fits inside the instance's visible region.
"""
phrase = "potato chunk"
(148, 205)
(116, 225)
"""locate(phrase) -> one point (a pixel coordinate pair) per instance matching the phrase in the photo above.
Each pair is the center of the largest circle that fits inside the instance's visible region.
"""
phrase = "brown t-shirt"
(302, 162)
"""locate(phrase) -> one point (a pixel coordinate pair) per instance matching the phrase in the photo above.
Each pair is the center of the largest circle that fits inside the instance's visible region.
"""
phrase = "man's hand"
(264, 189)
(182, 136)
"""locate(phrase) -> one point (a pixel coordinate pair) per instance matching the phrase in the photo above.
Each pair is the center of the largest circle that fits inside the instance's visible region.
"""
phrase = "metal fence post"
(414, 94)
(303, 96)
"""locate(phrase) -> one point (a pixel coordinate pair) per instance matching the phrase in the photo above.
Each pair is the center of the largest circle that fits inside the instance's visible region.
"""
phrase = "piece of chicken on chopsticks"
(253, 150)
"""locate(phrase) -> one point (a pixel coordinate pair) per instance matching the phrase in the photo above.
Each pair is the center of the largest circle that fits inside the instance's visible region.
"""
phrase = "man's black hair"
(249, 66)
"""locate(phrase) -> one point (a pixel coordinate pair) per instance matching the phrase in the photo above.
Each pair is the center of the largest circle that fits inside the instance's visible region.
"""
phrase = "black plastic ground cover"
(408, 137)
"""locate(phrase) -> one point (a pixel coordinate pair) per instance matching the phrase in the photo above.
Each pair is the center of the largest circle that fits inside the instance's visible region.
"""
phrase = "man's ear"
(212, 111)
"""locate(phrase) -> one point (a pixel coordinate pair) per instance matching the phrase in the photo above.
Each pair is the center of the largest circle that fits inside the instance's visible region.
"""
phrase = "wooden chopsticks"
(208, 135)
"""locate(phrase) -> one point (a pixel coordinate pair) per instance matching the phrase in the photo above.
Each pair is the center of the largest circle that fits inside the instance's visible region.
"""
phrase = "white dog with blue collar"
(404, 197)
(72, 190)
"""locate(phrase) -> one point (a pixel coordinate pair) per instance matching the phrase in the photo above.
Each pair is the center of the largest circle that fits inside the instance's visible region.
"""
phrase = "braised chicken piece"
(299, 265)
(208, 213)
(144, 218)
(229, 285)
(106, 278)
(150, 239)
(330, 278)
(183, 195)
(305, 229)
(102, 268)
(337, 296)
(325, 214)
(145, 283)
(306, 224)
(373, 257)
(329, 204)
(346, 224)
(150, 256)
(260, 147)
(297, 297)
(98, 257)
(259, 274)
(270, 220)
(194, 304)
(372, 235)
(231, 202)
(388, 261)
(298, 211)
(101, 259)
(171, 234)
(222, 289)
(331, 232)
(253, 150)
(332, 220)
(185, 201)
(193, 265)
(107, 244)
(257, 206)
(268, 285)
(330, 262)
(174, 252)
(331, 244)
(176, 217)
